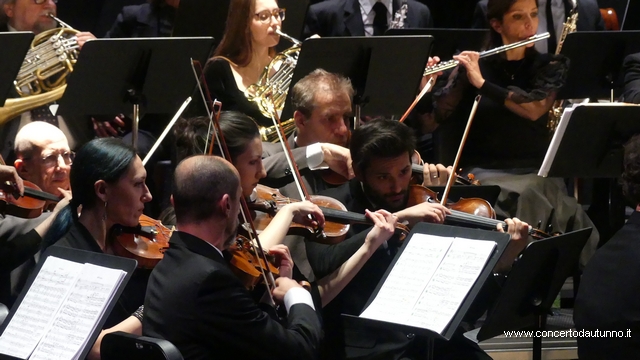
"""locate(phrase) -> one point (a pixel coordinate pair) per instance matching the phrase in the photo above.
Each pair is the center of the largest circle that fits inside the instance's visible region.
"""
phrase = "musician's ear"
(100, 188)
(21, 167)
(171, 201)
(8, 9)
(225, 205)
(496, 25)
(298, 119)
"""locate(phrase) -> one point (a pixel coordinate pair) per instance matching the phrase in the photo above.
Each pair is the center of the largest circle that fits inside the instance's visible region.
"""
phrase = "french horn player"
(32, 94)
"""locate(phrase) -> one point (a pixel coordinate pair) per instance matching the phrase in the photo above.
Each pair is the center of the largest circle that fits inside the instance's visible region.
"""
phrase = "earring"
(104, 216)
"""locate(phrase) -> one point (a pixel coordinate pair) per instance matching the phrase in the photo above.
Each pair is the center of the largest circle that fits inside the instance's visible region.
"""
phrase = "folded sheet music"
(60, 311)
(429, 282)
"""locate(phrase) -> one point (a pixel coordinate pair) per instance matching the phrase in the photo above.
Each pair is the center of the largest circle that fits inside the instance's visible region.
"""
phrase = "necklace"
(509, 64)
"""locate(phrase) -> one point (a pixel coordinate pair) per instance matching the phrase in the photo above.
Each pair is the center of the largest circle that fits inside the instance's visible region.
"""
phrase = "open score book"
(429, 282)
(61, 310)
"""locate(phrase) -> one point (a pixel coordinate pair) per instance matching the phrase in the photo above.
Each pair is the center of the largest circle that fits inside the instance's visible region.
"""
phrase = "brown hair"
(303, 95)
(495, 11)
(236, 45)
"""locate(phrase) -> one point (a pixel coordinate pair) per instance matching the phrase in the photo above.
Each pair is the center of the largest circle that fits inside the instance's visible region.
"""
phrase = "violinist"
(20, 239)
(381, 152)
(43, 156)
(243, 140)
(108, 187)
(194, 299)
(322, 115)
(509, 136)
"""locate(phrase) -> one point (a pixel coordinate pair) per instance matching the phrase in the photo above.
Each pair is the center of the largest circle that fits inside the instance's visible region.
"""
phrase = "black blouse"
(132, 297)
(499, 138)
(223, 86)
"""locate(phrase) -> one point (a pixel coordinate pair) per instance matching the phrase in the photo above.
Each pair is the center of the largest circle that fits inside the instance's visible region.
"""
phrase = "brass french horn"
(42, 77)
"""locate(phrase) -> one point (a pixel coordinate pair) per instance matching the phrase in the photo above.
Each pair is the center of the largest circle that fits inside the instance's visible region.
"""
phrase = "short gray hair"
(305, 90)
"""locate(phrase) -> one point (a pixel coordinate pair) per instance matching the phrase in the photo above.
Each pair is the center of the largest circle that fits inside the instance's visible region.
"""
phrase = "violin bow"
(452, 178)
(166, 131)
(415, 102)
(213, 111)
(297, 178)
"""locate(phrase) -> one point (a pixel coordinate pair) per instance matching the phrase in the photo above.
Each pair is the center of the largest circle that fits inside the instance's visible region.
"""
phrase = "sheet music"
(429, 295)
(450, 284)
(408, 278)
(79, 314)
(39, 306)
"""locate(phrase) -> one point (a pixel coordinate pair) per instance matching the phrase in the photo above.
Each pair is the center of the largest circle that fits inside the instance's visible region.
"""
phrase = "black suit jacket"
(589, 17)
(197, 303)
(631, 66)
(343, 18)
(135, 21)
(608, 296)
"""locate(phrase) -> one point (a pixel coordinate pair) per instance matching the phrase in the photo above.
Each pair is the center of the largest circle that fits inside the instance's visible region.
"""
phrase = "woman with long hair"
(247, 47)
(509, 137)
(108, 188)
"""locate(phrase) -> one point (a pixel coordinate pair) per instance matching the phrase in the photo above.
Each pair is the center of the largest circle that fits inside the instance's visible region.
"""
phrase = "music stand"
(385, 84)
(16, 45)
(448, 42)
(201, 18)
(293, 25)
(596, 75)
(153, 75)
(532, 285)
(79, 256)
(501, 241)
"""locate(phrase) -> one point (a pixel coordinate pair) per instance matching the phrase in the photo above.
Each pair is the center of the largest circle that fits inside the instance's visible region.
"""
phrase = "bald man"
(43, 156)
(204, 309)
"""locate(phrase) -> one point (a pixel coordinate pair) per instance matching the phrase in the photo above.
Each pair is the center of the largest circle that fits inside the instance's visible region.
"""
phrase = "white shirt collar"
(11, 28)
(367, 5)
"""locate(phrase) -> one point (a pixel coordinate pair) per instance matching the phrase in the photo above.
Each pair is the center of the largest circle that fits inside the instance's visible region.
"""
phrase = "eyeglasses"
(40, 2)
(265, 15)
(52, 160)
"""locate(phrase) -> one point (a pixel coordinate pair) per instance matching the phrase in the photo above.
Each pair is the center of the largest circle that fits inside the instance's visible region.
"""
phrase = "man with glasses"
(33, 15)
(43, 156)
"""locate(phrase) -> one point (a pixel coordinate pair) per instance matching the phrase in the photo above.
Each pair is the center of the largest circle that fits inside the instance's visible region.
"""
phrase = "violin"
(471, 212)
(28, 206)
(337, 218)
(246, 264)
(145, 243)
(610, 18)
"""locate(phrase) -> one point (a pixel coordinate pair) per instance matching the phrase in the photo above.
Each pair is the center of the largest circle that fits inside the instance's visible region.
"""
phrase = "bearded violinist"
(381, 152)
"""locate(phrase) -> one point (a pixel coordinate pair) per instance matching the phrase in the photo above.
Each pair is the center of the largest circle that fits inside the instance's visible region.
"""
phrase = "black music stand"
(596, 75)
(448, 42)
(15, 46)
(112, 75)
(501, 240)
(531, 287)
(385, 84)
(79, 256)
(591, 147)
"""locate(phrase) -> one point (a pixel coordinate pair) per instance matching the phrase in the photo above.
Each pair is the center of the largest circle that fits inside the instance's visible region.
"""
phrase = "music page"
(408, 278)
(429, 282)
(39, 306)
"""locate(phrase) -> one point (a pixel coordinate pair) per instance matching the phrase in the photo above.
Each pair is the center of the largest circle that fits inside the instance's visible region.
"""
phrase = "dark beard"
(379, 202)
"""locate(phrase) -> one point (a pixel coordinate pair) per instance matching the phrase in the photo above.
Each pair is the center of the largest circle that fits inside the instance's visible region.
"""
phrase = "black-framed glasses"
(40, 2)
(265, 15)
(52, 159)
